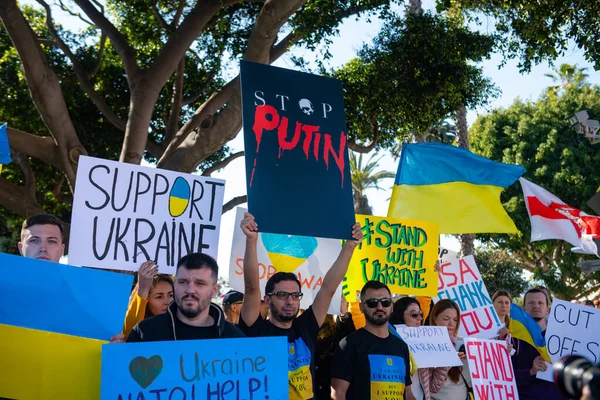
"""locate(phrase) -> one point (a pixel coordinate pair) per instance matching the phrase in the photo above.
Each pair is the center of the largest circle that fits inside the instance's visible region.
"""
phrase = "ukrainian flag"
(523, 327)
(453, 187)
(4, 147)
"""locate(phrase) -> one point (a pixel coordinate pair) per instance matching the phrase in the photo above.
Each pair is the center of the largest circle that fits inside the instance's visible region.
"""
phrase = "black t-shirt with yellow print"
(302, 338)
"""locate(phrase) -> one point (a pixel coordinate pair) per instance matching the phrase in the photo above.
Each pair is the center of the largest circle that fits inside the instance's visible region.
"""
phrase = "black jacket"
(162, 327)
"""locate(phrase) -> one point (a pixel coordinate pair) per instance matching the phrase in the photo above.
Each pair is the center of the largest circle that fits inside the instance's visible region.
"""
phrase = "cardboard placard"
(244, 368)
(308, 258)
(400, 253)
(461, 281)
(297, 166)
(491, 368)
(126, 214)
(430, 346)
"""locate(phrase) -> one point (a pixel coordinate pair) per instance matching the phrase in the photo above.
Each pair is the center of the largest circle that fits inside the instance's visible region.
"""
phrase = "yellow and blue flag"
(453, 187)
(4, 147)
(523, 327)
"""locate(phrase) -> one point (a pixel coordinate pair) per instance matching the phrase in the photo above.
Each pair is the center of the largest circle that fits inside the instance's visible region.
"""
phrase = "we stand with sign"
(491, 370)
(125, 214)
(220, 369)
(461, 282)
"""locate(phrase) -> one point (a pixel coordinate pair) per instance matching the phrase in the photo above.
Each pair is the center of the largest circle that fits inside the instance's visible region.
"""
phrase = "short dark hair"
(199, 261)
(281, 277)
(536, 290)
(43, 219)
(373, 285)
(546, 291)
(397, 317)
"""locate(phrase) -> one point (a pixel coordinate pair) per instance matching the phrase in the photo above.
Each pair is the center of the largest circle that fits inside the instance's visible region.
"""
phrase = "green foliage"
(534, 31)
(418, 71)
(538, 136)
(500, 271)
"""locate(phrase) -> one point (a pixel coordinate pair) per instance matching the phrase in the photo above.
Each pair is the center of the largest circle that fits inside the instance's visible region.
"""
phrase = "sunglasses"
(416, 314)
(372, 303)
(281, 295)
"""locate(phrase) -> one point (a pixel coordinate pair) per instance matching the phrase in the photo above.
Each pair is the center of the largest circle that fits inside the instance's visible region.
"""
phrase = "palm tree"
(365, 177)
(567, 76)
(467, 242)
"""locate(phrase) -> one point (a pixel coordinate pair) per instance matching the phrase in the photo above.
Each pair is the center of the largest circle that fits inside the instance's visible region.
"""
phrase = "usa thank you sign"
(125, 214)
(461, 281)
(218, 369)
(297, 168)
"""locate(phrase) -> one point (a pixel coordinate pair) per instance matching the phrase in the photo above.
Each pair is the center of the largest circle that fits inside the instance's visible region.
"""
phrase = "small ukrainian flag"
(4, 147)
(523, 327)
(452, 187)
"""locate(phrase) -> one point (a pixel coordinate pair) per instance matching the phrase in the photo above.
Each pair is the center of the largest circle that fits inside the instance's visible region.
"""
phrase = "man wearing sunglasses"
(371, 363)
(283, 292)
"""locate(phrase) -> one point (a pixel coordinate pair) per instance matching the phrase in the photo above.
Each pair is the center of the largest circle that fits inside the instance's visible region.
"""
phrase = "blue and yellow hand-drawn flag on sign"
(53, 321)
(523, 327)
(4, 147)
(452, 187)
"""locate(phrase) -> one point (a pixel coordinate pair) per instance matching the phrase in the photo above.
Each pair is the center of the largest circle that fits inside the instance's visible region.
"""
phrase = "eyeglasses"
(284, 295)
(372, 303)
(416, 314)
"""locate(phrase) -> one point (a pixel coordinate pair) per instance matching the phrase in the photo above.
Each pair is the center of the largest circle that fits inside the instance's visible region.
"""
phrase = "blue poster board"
(297, 167)
(61, 298)
(216, 369)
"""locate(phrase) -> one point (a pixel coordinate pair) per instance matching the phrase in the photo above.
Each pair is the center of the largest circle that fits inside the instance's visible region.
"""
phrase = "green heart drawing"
(145, 370)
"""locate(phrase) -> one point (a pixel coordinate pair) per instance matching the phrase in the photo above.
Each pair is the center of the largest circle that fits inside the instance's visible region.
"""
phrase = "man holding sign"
(282, 295)
(371, 363)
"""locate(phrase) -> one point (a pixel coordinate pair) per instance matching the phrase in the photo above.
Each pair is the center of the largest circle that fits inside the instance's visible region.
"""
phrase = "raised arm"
(334, 276)
(251, 307)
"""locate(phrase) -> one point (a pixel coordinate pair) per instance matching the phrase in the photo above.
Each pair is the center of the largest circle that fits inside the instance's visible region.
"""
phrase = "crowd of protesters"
(329, 357)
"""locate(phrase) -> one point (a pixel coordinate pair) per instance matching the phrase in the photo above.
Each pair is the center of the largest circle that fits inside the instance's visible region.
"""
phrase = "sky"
(352, 35)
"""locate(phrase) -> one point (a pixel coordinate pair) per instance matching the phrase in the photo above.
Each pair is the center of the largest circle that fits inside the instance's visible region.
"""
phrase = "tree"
(534, 31)
(365, 177)
(538, 136)
(500, 271)
(418, 71)
(146, 79)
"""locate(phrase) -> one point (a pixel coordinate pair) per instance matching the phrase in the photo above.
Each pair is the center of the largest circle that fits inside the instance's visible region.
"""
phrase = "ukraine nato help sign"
(297, 167)
(125, 214)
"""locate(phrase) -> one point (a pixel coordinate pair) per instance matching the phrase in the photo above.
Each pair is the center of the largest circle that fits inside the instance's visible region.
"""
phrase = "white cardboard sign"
(430, 346)
(126, 214)
(492, 373)
(308, 258)
(460, 280)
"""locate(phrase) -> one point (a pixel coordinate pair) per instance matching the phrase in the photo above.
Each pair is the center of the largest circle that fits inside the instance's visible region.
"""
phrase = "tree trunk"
(467, 245)
(361, 205)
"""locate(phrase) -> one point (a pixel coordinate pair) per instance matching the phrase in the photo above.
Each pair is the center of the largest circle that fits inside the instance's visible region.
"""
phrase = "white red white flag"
(551, 218)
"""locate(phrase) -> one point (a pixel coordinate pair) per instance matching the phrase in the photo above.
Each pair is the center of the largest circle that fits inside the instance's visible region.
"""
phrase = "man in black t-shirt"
(192, 315)
(282, 295)
(371, 363)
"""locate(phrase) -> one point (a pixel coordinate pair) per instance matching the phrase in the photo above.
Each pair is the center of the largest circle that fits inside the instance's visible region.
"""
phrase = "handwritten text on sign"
(221, 369)
(491, 370)
(125, 214)
(399, 253)
(309, 258)
(461, 282)
(573, 329)
(430, 346)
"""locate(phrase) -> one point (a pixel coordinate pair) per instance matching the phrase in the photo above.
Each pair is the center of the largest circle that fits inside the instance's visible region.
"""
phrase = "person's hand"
(357, 234)
(586, 393)
(249, 226)
(343, 305)
(503, 332)
(146, 274)
(462, 356)
(119, 338)
(509, 349)
(538, 365)
(436, 267)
